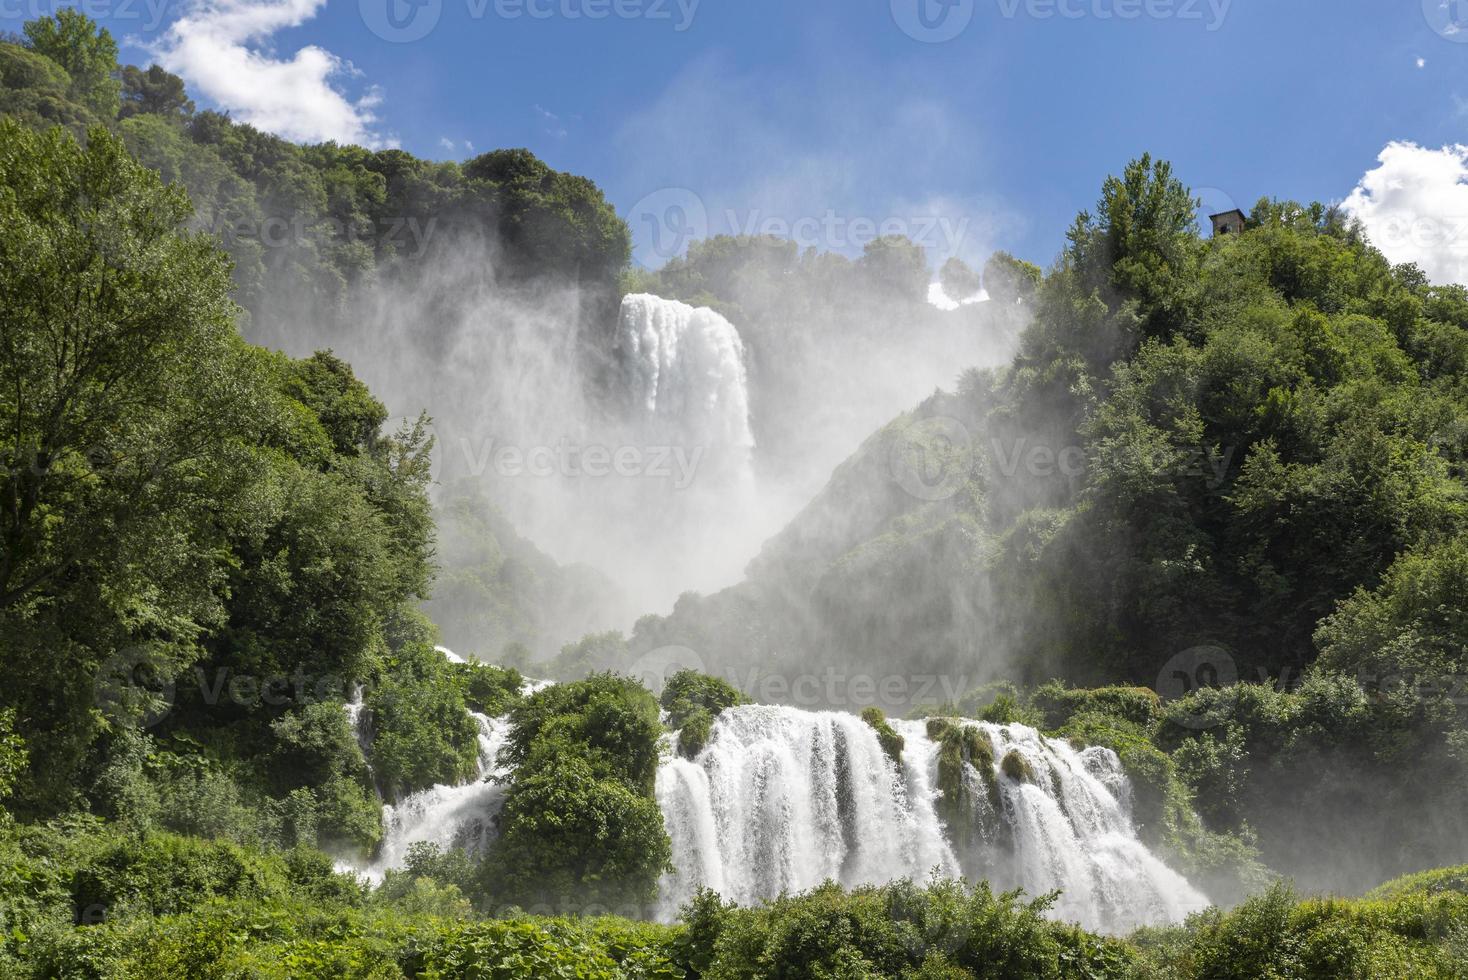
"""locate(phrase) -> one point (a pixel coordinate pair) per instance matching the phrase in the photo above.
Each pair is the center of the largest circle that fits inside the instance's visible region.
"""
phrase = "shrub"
(688, 691)
(610, 722)
(571, 838)
(1057, 703)
(422, 734)
(487, 689)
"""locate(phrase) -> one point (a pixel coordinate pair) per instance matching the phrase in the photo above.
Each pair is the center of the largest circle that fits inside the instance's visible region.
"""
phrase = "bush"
(489, 690)
(1058, 703)
(610, 722)
(688, 691)
(571, 839)
(422, 734)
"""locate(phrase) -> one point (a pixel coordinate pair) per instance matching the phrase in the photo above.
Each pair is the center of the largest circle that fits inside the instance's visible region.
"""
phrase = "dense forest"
(1211, 517)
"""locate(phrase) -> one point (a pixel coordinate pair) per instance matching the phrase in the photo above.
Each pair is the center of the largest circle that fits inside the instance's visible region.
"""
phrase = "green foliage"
(1011, 280)
(959, 280)
(118, 457)
(422, 734)
(1136, 705)
(580, 827)
(609, 722)
(488, 690)
(12, 756)
(687, 691)
(694, 733)
(693, 701)
(86, 53)
(572, 839)
(1017, 767)
(154, 92)
(892, 743)
(900, 930)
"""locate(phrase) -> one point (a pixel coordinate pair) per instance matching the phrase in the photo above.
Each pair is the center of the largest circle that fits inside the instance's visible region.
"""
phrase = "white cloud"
(465, 147)
(1421, 62)
(1415, 208)
(552, 122)
(220, 47)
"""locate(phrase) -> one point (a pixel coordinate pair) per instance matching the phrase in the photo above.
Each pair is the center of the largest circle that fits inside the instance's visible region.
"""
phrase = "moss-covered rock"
(694, 734)
(1017, 767)
(892, 743)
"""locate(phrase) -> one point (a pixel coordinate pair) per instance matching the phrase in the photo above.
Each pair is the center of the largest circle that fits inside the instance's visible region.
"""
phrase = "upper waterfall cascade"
(685, 366)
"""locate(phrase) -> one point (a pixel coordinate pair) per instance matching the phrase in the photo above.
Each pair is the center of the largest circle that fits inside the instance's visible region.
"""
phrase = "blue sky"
(826, 117)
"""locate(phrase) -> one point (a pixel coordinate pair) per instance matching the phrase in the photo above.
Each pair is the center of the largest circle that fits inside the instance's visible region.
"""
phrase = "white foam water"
(685, 366)
(780, 800)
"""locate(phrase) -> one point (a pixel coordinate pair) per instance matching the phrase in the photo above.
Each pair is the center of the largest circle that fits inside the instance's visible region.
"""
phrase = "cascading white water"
(684, 365)
(781, 800)
(447, 816)
(1073, 831)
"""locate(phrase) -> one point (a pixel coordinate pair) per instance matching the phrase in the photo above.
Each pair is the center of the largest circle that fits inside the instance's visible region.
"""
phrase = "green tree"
(88, 55)
(959, 280)
(125, 393)
(154, 91)
(896, 268)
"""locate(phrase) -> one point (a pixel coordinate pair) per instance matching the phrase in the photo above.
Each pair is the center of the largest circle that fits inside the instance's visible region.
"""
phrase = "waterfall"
(684, 367)
(780, 800)
(448, 816)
